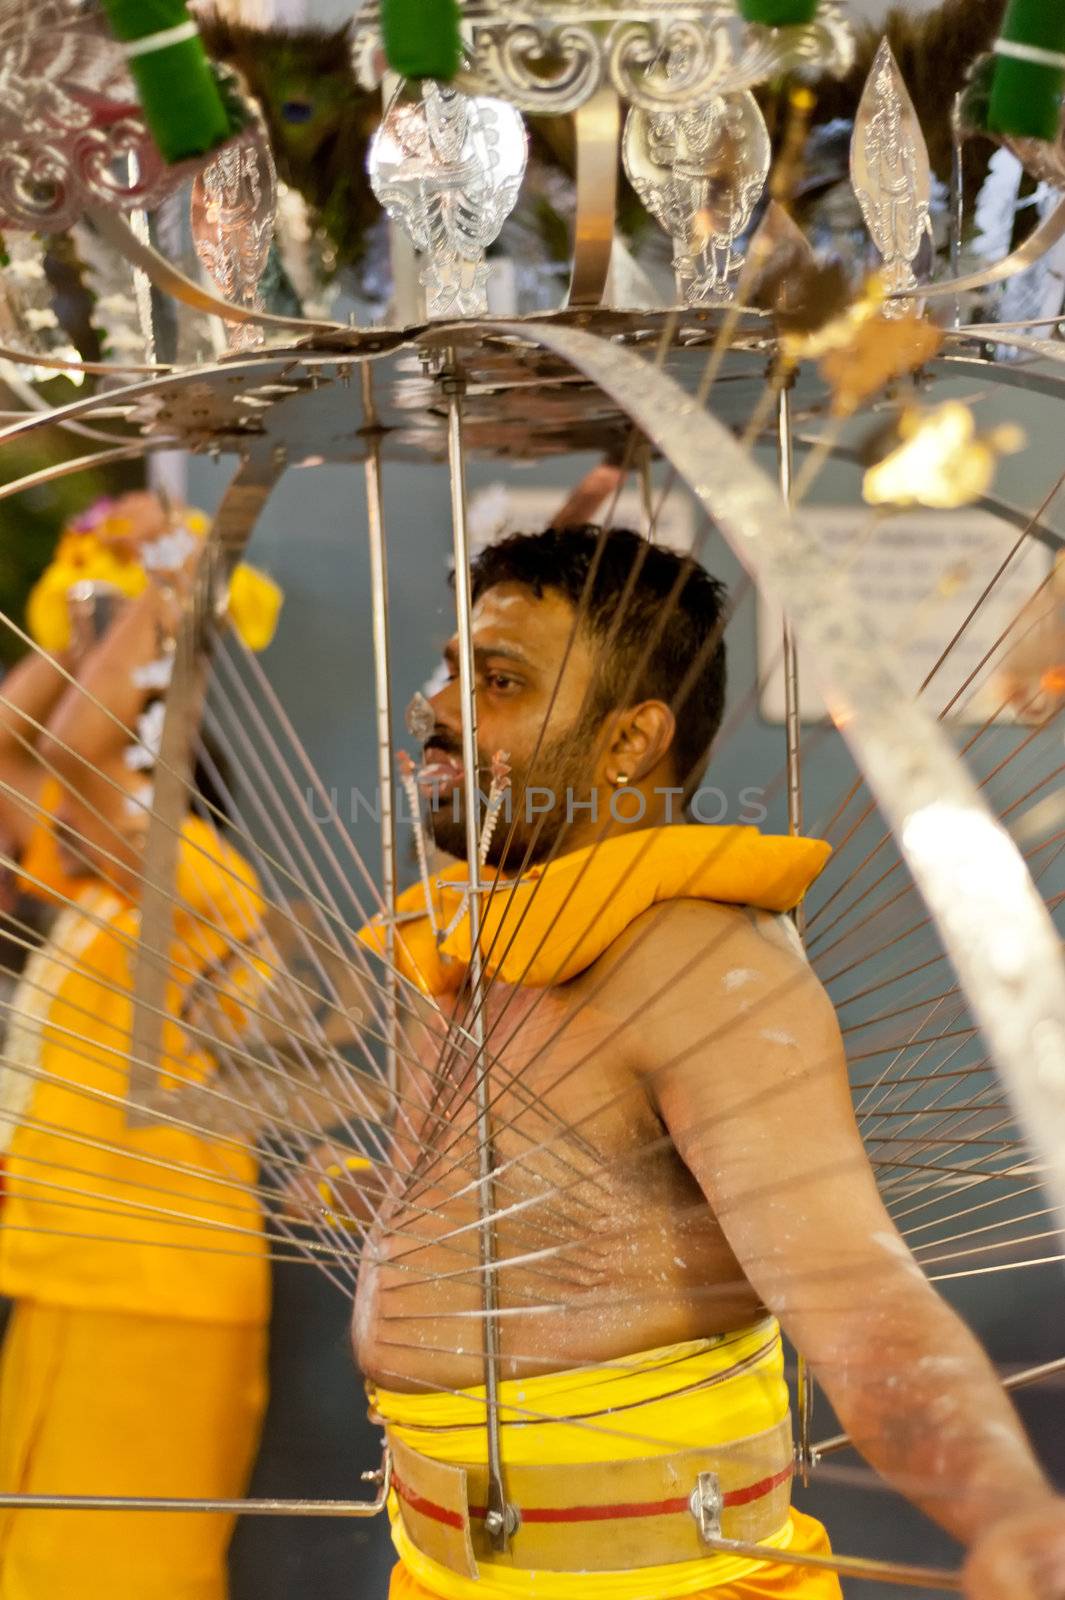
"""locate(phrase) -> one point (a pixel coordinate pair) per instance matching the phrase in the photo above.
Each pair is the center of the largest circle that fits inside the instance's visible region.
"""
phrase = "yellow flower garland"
(79, 558)
(254, 603)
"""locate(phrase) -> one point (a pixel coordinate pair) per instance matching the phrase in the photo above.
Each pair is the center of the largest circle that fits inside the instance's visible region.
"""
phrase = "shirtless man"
(676, 1157)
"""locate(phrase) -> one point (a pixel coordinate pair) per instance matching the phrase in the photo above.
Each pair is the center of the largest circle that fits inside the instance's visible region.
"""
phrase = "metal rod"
(598, 133)
(142, 284)
(243, 1508)
(793, 766)
(792, 738)
(407, 308)
(846, 1566)
(382, 1476)
(244, 499)
(499, 1518)
(957, 198)
(383, 706)
(647, 491)
(791, 662)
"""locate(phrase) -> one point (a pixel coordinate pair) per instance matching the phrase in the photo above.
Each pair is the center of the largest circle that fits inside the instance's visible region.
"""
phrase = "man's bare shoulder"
(687, 965)
(704, 933)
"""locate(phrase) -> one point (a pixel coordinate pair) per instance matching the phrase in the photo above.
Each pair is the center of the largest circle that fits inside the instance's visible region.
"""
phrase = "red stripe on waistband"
(610, 1513)
(427, 1508)
(755, 1491)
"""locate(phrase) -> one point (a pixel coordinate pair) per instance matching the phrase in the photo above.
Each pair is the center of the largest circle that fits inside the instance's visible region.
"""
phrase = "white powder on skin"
(894, 1246)
(365, 1305)
(791, 933)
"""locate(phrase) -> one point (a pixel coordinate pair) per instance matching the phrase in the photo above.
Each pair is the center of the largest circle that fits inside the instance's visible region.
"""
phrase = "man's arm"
(93, 726)
(29, 694)
(282, 1060)
(36, 693)
(749, 1078)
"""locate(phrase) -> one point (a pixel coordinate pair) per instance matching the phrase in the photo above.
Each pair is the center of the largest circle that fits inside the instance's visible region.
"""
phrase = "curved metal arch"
(993, 924)
(1010, 373)
(118, 233)
(233, 524)
(76, 464)
(1038, 242)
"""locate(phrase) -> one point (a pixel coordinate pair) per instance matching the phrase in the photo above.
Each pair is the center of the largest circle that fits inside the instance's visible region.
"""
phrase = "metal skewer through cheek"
(501, 1519)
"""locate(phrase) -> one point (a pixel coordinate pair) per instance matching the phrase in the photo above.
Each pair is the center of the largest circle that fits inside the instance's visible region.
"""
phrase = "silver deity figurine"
(447, 167)
(700, 172)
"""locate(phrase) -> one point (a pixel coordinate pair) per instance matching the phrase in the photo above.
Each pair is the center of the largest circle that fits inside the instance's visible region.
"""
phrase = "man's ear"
(641, 738)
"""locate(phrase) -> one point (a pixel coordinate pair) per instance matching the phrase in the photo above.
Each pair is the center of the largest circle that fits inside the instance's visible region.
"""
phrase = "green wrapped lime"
(779, 13)
(1029, 73)
(421, 37)
(178, 92)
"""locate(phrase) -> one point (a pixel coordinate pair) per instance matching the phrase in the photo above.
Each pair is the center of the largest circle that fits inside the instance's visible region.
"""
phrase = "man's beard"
(529, 827)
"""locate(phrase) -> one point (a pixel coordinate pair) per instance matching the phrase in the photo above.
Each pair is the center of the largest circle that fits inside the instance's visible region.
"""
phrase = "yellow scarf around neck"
(554, 921)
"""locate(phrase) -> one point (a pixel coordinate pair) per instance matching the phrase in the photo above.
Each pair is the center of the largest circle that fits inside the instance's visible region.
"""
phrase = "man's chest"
(557, 1070)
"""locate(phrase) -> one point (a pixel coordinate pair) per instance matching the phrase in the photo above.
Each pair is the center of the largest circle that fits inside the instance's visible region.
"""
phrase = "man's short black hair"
(659, 617)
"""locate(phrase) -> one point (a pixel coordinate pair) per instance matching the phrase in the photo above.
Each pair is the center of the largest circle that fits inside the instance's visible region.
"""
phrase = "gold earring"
(621, 780)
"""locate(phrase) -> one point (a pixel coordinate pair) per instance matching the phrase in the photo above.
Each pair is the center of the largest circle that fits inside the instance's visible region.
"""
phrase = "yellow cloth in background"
(559, 918)
(687, 1396)
(112, 1248)
(42, 871)
(104, 1403)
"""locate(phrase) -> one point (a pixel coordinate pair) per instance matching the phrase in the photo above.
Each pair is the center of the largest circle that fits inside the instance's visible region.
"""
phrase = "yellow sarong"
(712, 1392)
(108, 1403)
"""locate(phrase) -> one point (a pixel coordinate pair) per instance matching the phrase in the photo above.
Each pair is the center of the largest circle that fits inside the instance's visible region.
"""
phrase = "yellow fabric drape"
(43, 872)
(624, 1410)
(135, 1362)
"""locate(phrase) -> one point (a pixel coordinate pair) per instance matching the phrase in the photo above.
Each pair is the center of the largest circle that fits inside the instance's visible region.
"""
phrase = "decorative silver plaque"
(234, 200)
(890, 172)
